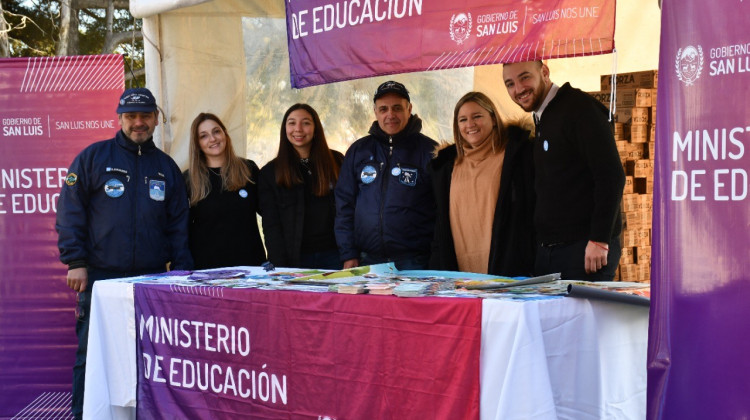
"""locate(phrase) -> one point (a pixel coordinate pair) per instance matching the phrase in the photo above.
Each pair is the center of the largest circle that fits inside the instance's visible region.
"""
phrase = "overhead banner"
(265, 354)
(698, 360)
(331, 41)
(50, 109)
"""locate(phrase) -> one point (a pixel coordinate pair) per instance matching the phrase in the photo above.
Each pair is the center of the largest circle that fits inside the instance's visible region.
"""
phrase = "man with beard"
(123, 211)
(385, 208)
(579, 177)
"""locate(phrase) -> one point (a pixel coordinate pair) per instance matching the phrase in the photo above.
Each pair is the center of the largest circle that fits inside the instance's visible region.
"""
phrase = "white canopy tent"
(198, 53)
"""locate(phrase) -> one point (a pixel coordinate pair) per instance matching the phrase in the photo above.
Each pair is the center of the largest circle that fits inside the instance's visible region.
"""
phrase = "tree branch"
(136, 73)
(102, 4)
(119, 38)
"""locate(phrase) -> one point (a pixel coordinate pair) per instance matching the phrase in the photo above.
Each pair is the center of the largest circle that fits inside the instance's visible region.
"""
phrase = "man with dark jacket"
(123, 211)
(578, 176)
(385, 208)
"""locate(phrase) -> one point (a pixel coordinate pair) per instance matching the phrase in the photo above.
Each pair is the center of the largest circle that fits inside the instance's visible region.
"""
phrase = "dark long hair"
(325, 168)
(234, 174)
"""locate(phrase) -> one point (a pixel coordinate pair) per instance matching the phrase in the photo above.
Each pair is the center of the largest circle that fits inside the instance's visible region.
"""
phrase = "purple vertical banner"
(50, 109)
(698, 364)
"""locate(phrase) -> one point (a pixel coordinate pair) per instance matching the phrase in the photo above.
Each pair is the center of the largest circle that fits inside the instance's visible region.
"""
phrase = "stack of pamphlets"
(351, 288)
(411, 289)
(380, 288)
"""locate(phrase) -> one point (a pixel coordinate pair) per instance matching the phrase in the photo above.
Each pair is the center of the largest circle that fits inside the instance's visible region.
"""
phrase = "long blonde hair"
(234, 173)
(499, 139)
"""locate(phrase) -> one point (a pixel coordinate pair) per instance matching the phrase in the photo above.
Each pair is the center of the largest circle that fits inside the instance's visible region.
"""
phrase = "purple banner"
(698, 362)
(224, 353)
(331, 40)
(50, 109)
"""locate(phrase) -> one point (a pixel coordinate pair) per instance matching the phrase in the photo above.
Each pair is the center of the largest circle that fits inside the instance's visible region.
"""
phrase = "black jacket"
(284, 216)
(579, 177)
(384, 201)
(224, 227)
(513, 245)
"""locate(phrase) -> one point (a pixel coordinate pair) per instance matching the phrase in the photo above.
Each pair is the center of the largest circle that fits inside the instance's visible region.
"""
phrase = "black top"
(317, 231)
(579, 177)
(294, 220)
(513, 244)
(223, 226)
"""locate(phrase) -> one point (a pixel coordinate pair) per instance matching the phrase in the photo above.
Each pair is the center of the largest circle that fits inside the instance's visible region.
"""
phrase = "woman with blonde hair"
(484, 188)
(296, 190)
(223, 196)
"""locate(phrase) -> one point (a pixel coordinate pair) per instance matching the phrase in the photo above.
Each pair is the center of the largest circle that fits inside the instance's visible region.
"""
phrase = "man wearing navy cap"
(385, 208)
(123, 211)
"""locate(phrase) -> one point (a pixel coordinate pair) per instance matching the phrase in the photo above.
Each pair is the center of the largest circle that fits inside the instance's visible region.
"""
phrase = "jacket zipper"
(135, 209)
(383, 191)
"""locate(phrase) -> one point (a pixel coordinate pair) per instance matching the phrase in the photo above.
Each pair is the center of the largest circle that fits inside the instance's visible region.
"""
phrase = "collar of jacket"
(445, 155)
(562, 92)
(414, 126)
(132, 146)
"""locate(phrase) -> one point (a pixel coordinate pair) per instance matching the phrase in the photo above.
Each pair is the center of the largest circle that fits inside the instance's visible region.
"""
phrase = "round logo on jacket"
(243, 193)
(71, 179)
(368, 174)
(396, 171)
(545, 145)
(114, 188)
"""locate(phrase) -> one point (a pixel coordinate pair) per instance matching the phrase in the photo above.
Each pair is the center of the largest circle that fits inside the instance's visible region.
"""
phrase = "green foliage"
(36, 32)
(34, 26)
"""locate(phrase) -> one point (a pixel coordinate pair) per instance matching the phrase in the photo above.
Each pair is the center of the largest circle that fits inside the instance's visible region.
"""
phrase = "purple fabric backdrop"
(698, 361)
(331, 41)
(50, 108)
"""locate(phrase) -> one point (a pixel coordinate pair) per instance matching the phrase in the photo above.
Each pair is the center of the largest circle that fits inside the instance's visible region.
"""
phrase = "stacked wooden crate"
(634, 116)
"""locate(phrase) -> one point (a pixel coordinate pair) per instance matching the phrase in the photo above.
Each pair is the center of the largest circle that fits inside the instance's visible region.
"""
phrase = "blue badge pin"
(545, 145)
(114, 188)
(243, 193)
(396, 171)
(368, 175)
(156, 189)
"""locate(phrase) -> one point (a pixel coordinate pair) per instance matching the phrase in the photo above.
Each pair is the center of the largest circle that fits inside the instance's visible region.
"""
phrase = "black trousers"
(568, 258)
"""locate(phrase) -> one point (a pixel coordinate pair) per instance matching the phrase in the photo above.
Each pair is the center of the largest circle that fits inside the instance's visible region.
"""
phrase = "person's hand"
(78, 279)
(354, 262)
(596, 256)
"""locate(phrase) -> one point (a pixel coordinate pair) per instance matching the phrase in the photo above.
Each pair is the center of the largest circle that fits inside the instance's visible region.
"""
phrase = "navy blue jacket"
(124, 208)
(384, 200)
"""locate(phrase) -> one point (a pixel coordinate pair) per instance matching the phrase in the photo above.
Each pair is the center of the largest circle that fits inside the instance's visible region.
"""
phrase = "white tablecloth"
(568, 358)
(563, 358)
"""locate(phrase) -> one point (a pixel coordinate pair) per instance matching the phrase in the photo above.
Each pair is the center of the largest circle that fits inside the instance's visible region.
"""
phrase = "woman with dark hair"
(296, 194)
(484, 188)
(223, 199)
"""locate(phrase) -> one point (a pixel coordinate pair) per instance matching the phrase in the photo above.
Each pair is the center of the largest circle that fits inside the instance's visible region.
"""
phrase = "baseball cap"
(392, 87)
(136, 100)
